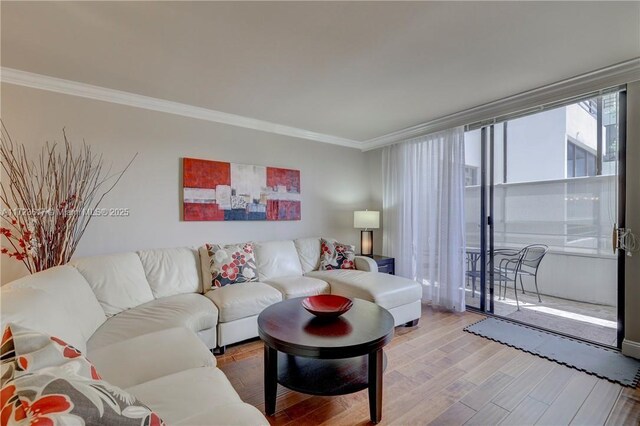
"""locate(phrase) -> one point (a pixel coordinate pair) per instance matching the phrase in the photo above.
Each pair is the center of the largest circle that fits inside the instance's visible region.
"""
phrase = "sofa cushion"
(277, 259)
(126, 363)
(34, 309)
(309, 253)
(296, 286)
(386, 290)
(336, 255)
(192, 311)
(243, 300)
(172, 271)
(118, 281)
(198, 396)
(58, 302)
(55, 384)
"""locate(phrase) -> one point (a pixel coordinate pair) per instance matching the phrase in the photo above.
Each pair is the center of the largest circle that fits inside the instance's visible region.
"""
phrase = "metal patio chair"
(473, 258)
(513, 267)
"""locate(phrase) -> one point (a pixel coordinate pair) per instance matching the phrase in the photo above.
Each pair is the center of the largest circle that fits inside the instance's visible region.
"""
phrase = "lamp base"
(366, 243)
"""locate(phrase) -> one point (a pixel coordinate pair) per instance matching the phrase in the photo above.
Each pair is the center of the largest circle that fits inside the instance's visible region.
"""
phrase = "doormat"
(601, 362)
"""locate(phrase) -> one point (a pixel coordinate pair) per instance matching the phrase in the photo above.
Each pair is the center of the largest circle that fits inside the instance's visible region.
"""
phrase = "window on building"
(610, 123)
(611, 142)
(580, 162)
(470, 175)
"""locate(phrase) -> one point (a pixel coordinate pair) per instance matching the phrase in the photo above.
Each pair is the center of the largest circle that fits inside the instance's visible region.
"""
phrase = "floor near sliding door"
(584, 320)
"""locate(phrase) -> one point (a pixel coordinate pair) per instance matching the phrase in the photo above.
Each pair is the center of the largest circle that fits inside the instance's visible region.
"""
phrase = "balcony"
(577, 278)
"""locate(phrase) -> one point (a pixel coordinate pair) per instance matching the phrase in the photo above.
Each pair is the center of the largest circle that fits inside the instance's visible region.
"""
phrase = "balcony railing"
(590, 106)
(569, 215)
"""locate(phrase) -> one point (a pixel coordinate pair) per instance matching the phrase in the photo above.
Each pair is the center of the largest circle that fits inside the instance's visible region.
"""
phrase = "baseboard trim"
(631, 348)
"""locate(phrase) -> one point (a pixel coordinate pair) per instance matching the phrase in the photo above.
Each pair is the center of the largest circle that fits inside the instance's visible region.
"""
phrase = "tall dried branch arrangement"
(48, 203)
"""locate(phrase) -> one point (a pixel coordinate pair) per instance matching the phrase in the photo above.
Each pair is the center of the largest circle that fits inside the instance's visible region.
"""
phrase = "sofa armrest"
(150, 356)
(364, 263)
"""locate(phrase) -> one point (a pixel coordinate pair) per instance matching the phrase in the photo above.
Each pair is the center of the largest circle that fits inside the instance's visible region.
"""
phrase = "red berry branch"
(47, 204)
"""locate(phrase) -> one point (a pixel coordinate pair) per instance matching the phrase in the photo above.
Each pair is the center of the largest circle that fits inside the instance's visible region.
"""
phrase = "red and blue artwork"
(215, 190)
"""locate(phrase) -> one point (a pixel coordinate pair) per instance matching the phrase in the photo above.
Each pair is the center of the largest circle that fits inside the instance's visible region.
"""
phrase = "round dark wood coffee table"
(320, 356)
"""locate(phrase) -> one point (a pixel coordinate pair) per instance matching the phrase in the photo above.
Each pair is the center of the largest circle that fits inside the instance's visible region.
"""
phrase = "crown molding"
(618, 74)
(621, 73)
(74, 88)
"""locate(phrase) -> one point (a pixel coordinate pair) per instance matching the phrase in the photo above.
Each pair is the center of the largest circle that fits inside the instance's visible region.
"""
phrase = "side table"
(386, 265)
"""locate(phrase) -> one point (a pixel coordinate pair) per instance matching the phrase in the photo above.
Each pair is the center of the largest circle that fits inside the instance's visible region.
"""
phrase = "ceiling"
(355, 70)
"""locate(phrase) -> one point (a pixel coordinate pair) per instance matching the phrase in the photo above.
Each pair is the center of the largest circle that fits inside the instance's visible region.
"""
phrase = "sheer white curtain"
(423, 214)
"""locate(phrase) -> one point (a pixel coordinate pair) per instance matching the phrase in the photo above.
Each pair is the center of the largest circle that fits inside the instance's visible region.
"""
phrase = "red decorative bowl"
(327, 305)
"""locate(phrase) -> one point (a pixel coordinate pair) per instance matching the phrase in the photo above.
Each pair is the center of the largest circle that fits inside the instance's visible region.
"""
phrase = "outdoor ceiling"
(356, 70)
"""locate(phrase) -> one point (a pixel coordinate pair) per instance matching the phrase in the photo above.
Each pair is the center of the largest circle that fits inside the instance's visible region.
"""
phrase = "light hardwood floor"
(440, 375)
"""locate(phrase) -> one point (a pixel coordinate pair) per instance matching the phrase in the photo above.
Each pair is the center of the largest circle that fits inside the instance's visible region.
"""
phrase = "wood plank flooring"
(439, 375)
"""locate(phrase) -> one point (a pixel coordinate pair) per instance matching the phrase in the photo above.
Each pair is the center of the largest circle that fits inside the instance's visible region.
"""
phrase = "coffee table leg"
(270, 379)
(375, 385)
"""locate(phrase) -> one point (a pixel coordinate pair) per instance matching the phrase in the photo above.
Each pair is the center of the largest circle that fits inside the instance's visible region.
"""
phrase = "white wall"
(373, 160)
(334, 179)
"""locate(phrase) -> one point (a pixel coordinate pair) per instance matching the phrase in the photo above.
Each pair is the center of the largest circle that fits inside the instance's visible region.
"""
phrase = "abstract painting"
(215, 190)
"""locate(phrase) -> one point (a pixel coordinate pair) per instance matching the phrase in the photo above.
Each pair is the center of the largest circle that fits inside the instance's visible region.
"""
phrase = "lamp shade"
(366, 219)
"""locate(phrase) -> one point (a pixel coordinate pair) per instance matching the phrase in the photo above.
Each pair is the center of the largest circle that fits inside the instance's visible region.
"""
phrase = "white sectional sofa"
(147, 319)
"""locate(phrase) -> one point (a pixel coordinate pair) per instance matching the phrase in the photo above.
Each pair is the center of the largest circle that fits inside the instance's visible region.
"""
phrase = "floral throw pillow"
(334, 255)
(7, 357)
(231, 264)
(53, 384)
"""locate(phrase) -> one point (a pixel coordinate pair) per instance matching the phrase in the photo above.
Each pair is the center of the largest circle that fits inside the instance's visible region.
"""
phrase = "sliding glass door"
(542, 200)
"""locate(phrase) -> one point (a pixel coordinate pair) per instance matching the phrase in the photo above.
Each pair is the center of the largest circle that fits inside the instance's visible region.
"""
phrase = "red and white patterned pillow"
(46, 381)
(231, 264)
(334, 255)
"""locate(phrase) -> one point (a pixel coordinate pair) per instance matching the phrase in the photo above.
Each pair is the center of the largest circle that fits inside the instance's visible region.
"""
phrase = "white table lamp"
(366, 220)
